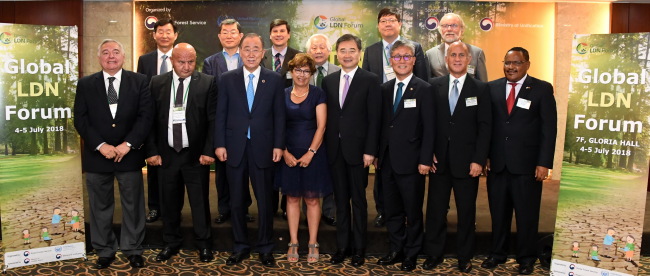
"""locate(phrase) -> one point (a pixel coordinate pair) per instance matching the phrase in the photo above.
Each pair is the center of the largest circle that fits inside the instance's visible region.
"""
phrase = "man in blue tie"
(249, 137)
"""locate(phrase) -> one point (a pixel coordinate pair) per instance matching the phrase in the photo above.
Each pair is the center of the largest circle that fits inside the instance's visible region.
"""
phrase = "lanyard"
(386, 56)
(186, 89)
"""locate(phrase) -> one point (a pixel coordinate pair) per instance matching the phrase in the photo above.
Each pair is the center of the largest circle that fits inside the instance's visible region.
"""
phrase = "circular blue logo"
(320, 22)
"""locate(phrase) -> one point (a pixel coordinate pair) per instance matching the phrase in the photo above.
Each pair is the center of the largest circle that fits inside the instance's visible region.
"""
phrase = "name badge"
(471, 69)
(409, 103)
(471, 101)
(178, 115)
(523, 103)
(388, 71)
(289, 76)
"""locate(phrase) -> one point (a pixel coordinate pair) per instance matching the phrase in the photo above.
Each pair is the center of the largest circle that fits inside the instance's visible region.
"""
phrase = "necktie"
(163, 65)
(453, 98)
(112, 94)
(177, 129)
(278, 64)
(388, 53)
(510, 101)
(250, 96)
(398, 96)
(319, 78)
(345, 89)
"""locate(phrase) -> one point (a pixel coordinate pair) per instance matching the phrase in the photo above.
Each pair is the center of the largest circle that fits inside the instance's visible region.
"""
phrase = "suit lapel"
(337, 85)
(524, 92)
(407, 93)
(444, 93)
(501, 97)
(442, 65)
(123, 96)
(165, 97)
(101, 93)
(379, 62)
(261, 86)
(221, 62)
(468, 88)
(194, 82)
(353, 86)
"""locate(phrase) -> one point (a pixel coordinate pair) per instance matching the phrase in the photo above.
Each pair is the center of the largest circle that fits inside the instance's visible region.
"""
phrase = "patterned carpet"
(187, 263)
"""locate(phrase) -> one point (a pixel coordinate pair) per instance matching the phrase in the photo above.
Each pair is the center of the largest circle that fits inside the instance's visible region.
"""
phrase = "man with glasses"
(521, 153)
(451, 29)
(249, 137)
(405, 155)
(228, 59)
(376, 59)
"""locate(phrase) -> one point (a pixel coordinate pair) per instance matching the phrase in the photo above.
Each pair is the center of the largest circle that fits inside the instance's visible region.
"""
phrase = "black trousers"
(223, 189)
(153, 188)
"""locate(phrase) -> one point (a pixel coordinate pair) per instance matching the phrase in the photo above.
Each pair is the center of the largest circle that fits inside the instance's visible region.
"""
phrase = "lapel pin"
(527, 87)
(263, 81)
(411, 89)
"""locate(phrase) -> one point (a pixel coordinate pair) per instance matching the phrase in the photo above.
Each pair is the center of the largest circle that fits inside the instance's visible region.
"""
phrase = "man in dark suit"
(451, 29)
(463, 122)
(524, 130)
(180, 143)
(278, 56)
(351, 136)
(405, 154)
(151, 64)
(319, 47)
(249, 137)
(113, 115)
(376, 59)
(228, 59)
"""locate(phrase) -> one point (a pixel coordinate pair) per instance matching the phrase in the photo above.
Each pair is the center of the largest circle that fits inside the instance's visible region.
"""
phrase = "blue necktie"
(250, 96)
(398, 97)
(277, 64)
(453, 97)
(163, 65)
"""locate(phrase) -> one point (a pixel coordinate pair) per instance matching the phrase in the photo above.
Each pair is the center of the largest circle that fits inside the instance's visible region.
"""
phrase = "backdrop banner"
(601, 203)
(41, 195)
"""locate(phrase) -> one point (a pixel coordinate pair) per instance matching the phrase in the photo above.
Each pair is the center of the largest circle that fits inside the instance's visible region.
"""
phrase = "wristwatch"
(128, 144)
(312, 150)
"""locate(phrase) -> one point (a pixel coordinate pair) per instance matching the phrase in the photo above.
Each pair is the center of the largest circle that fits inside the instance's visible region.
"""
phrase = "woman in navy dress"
(304, 173)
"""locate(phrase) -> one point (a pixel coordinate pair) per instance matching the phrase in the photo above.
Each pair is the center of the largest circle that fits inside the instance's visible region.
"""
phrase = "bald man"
(181, 143)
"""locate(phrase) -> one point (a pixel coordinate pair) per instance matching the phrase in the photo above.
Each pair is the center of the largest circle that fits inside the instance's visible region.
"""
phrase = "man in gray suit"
(451, 29)
(319, 47)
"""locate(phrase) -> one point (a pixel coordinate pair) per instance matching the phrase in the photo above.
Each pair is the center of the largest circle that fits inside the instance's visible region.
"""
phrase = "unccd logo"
(150, 21)
(320, 22)
(5, 37)
(582, 48)
(486, 24)
(604, 273)
(58, 249)
(431, 23)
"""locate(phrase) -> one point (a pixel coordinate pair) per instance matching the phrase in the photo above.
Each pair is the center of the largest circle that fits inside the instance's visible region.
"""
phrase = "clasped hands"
(115, 153)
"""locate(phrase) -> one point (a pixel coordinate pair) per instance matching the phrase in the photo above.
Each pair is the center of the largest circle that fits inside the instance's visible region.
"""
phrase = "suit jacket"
(358, 122)
(374, 55)
(199, 114)
(148, 63)
(215, 65)
(266, 118)
(407, 135)
(464, 137)
(132, 122)
(331, 68)
(269, 60)
(525, 138)
(438, 67)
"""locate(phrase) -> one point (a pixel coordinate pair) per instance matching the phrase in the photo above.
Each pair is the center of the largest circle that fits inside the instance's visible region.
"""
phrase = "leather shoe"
(205, 255)
(221, 218)
(250, 218)
(432, 262)
(104, 262)
(237, 257)
(491, 263)
(465, 266)
(267, 259)
(358, 258)
(284, 215)
(166, 254)
(136, 261)
(153, 215)
(339, 256)
(391, 258)
(409, 263)
(331, 221)
(526, 269)
(380, 220)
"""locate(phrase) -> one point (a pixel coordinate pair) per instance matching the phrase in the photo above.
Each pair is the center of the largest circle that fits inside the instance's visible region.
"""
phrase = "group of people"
(295, 123)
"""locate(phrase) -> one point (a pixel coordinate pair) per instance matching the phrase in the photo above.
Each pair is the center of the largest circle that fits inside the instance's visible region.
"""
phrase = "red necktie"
(510, 101)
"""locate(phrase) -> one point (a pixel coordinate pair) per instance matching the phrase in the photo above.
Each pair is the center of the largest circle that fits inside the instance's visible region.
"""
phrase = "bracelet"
(312, 150)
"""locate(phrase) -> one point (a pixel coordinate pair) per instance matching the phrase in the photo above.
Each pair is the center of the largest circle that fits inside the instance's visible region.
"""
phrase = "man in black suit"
(180, 143)
(249, 137)
(521, 153)
(463, 121)
(151, 64)
(113, 115)
(376, 59)
(228, 59)
(351, 136)
(405, 154)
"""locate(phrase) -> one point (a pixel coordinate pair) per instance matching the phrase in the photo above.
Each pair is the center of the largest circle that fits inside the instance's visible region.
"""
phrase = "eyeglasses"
(398, 57)
(251, 51)
(515, 63)
(232, 33)
(384, 21)
(453, 26)
(301, 72)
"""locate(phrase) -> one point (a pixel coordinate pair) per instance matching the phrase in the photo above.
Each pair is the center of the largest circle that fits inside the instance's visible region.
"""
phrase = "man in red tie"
(521, 154)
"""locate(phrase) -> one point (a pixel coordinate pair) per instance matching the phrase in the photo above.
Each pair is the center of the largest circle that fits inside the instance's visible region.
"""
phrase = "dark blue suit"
(215, 65)
(250, 157)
